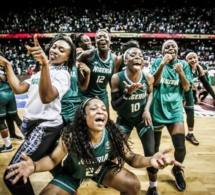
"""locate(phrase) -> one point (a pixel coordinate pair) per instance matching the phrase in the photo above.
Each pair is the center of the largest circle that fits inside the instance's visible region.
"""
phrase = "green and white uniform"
(7, 98)
(71, 99)
(131, 113)
(74, 171)
(101, 72)
(167, 104)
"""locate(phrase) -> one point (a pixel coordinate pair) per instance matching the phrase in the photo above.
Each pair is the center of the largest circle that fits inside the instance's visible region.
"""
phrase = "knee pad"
(2, 124)
(178, 141)
(190, 117)
(152, 170)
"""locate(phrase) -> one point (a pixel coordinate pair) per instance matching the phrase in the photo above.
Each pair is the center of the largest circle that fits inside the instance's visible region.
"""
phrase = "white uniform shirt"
(35, 109)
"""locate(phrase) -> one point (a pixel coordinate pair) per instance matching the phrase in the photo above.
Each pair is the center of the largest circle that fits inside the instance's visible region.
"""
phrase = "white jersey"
(35, 109)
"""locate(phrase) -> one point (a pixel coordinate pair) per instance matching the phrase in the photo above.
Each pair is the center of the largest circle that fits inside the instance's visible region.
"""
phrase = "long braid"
(118, 140)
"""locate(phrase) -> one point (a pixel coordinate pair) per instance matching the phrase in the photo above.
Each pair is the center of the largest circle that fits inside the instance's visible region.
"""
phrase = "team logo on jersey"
(144, 86)
(107, 146)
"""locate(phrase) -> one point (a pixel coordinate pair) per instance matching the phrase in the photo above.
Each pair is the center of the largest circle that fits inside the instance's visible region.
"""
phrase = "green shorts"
(127, 125)
(68, 111)
(68, 183)
(7, 103)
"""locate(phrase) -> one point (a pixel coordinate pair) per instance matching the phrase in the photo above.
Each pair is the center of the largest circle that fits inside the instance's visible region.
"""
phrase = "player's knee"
(134, 185)
(2, 124)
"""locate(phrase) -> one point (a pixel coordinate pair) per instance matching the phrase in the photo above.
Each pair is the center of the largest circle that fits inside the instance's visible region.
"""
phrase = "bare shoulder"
(149, 77)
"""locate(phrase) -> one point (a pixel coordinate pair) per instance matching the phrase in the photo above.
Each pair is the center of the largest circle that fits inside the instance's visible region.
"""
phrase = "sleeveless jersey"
(101, 72)
(75, 167)
(72, 94)
(168, 94)
(135, 104)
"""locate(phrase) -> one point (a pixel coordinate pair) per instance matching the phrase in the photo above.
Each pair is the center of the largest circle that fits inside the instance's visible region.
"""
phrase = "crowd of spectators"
(15, 52)
(68, 18)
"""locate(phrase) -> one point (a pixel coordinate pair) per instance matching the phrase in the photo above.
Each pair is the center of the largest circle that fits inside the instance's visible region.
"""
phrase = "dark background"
(110, 4)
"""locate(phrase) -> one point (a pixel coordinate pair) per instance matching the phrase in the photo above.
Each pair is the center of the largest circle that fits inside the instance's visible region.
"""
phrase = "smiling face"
(96, 115)
(85, 43)
(59, 52)
(192, 59)
(170, 47)
(134, 59)
(102, 40)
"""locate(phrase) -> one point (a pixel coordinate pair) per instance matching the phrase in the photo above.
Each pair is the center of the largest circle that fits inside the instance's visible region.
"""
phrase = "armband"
(126, 96)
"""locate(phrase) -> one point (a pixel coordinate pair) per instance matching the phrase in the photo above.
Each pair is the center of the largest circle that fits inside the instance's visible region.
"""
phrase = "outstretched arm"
(27, 167)
(159, 160)
(17, 86)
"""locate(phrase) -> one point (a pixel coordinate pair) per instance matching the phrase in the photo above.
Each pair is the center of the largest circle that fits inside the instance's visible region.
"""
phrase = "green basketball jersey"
(135, 104)
(71, 99)
(168, 94)
(75, 167)
(72, 94)
(101, 72)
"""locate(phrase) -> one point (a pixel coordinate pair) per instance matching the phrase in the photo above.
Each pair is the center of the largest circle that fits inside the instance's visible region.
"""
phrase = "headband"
(190, 53)
(165, 43)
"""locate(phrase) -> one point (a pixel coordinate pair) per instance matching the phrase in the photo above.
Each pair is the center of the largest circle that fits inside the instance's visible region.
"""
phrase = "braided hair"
(76, 137)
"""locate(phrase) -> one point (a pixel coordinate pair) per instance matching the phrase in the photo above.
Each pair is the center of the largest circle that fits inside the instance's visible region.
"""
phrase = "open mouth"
(100, 120)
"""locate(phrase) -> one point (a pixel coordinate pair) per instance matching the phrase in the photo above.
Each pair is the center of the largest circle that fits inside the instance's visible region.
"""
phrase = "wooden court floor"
(199, 165)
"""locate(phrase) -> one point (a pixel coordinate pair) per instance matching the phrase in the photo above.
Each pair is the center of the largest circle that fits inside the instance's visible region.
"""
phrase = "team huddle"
(66, 124)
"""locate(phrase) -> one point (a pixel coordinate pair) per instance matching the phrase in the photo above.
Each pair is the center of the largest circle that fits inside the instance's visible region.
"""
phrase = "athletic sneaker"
(16, 137)
(152, 191)
(178, 173)
(192, 139)
(6, 149)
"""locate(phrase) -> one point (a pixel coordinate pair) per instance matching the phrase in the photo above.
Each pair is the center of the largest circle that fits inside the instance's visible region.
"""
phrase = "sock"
(190, 132)
(7, 141)
(153, 184)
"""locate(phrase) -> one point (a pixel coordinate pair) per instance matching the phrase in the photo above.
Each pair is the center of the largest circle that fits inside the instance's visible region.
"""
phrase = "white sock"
(190, 132)
(153, 184)
(7, 142)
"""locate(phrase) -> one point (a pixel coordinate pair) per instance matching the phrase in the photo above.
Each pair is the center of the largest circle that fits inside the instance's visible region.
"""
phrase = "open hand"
(159, 160)
(22, 169)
